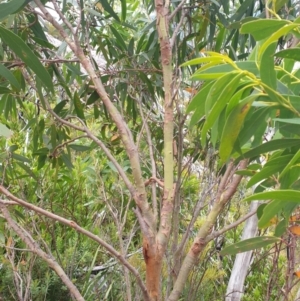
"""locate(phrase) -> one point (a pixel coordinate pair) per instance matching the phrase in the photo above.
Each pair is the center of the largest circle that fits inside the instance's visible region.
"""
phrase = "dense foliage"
(137, 130)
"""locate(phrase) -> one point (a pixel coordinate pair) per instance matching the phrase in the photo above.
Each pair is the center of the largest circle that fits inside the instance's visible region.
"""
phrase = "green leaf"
(78, 106)
(119, 38)
(245, 172)
(131, 47)
(249, 244)
(261, 29)
(220, 39)
(4, 131)
(27, 169)
(243, 8)
(109, 9)
(93, 97)
(270, 210)
(281, 228)
(67, 160)
(41, 161)
(199, 99)
(4, 90)
(233, 126)
(290, 120)
(23, 51)
(20, 158)
(11, 7)
(275, 36)
(294, 160)
(278, 4)
(123, 9)
(267, 66)
(292, 53)
(236, 98)
(270, 146)
(9, 76)
(216, 60)
(219, 89)
(79, 148)
(254, 125)
(286, 195)
(214, 72)
(263, 174)
(58, 108)
(219, 94)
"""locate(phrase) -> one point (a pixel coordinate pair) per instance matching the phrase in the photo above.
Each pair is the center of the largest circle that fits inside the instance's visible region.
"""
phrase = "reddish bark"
(153, 260)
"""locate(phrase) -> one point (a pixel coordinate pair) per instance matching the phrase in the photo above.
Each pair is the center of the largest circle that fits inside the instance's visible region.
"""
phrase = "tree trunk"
(235, 288)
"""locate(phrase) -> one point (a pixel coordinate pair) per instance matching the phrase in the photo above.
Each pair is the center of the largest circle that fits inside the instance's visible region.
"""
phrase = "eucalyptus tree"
(94, 119)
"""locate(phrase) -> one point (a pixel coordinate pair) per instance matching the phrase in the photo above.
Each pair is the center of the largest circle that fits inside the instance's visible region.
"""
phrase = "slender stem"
(81, 230)
(34, 247)
(229, 227)
(177, 9)
(226, 190)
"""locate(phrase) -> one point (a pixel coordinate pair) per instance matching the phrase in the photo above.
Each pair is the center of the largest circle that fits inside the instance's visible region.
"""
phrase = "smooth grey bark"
(235, 288)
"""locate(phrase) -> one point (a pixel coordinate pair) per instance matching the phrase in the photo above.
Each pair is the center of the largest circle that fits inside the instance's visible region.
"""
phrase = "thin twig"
(54, 152)
(229, 227)
(177, 9)
(177, 29)
(63, 18)
(81, 230)
(30, 242)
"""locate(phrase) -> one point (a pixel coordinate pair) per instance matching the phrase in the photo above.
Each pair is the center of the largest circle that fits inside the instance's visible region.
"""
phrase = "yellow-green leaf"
(217, 99)
(275, 36)
(233, 126)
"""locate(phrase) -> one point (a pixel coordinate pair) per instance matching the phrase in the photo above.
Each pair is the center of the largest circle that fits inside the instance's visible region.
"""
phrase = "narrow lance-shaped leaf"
(118, 37)
(261, 29)
(19, 47)
(235, 99)
(267, 66)
(11, 7)
(78, 106)
(292, 53)
(220, 97)
(233, 126)
(269, 147)
(9, 76)
(294, 160)
(275, 36)
(109, 9)
(202, 60)
(249, 244)
(208, 72)
(198, 105)
(270, 210)
(290, 121)
(265, 173)
(124, 9)
(286, 195)
(199, 98)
